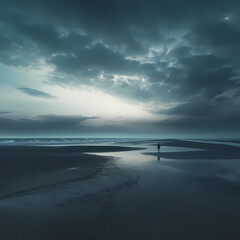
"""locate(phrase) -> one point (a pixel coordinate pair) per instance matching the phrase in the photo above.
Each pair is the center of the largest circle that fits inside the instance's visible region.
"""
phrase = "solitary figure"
(158, 146)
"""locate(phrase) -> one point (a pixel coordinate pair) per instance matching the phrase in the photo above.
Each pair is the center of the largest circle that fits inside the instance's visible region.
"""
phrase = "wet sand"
(202, 150)
(190, 190)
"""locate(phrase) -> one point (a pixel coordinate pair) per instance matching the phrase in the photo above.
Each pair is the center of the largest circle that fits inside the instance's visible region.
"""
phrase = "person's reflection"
(158, 158)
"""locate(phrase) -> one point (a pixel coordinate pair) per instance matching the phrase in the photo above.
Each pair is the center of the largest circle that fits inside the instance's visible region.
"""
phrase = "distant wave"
(60, 141)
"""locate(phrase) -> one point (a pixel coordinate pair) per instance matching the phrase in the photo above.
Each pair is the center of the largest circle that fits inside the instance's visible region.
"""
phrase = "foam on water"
(59, 141)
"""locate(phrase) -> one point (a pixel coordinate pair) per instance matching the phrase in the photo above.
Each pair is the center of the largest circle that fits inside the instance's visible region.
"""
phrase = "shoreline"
(26, 169)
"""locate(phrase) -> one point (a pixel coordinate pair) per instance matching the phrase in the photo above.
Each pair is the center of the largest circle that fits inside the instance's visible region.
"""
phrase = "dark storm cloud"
(207, 75)
(4, 42)
(44, 124)
(98, 58)
(201, 109)
(181, 53)
(36, 93)
(218, 125)
(5, 112)
(75, 125)
(220, 37)
(63, 125)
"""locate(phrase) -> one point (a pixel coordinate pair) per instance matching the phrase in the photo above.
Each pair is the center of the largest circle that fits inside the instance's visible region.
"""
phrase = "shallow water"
(176, 199)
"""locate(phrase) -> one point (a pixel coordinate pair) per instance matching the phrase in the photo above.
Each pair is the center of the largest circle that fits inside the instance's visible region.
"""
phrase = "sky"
(136, 68)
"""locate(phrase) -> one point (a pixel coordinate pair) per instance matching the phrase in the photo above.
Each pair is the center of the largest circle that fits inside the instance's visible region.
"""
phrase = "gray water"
(59, 141)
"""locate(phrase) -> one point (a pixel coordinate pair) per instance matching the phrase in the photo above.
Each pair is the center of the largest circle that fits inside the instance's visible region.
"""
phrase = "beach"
(121, 190)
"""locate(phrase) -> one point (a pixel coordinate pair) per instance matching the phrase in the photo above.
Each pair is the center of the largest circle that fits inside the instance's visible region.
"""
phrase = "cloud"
(207, 75)
(192, 109)
(5, 112)
(219, 36)
(179, 54)
(77, 125)
(45, 125)
(36, 93)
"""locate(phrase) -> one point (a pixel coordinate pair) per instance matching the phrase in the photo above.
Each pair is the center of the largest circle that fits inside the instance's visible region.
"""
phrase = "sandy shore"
(190, 190)
(33, 179)
(32, 167)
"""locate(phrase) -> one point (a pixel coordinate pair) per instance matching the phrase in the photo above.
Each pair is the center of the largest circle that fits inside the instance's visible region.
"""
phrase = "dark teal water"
(59, 141)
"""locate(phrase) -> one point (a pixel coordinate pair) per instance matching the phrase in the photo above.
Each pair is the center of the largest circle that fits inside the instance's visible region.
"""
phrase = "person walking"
(158, 146)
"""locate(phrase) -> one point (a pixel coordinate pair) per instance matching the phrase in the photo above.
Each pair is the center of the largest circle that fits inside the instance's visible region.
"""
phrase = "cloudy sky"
(120, 68)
